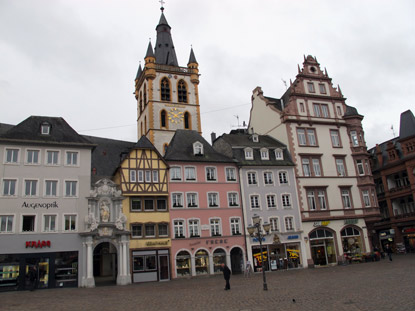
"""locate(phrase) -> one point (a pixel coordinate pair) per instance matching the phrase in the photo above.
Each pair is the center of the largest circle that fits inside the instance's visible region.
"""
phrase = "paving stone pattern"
(370, 286)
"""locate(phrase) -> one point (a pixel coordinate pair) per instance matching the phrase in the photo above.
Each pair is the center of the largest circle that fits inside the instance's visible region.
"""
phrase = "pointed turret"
(150, 59)
(192, 58)
(194, 67)
(165, 53)
(139, 71)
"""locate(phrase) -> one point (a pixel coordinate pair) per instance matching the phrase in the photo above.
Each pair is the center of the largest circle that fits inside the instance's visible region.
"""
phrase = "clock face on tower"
(175, 116)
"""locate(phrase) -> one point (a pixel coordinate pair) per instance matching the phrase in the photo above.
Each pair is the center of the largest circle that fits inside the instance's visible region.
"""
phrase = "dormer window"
(198, 148)
(278, 154)
(264, 154)
(45, 128)
(249, 155)
(255, 138)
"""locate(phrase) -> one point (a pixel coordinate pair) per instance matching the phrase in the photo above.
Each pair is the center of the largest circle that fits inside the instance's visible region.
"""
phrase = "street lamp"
(255, 231)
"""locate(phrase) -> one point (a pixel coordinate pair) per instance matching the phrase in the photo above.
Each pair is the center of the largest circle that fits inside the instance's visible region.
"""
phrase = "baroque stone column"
(90, 281)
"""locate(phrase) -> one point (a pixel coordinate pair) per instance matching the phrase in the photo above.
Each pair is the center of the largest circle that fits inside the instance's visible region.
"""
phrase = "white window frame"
(316, 166)
(354, 138)
(14, 159)
(213, 197)
(45, 128)
(7, 230)
(133, 175)
(366, 198)
(193, 224)
(177, 196)
(187, 170)
(311, 200)
(274, 201)
(284, 201)
(132, 231)
(249, 153)
(283, 175)
(194, 200)
(215, 226)
(34, 223)
(64, 216)
(69, 162)
(31, 151)
(268, 178)
(53, 158)
(279, 154)
(76, 188)
(252, 179)
(230, 173)
(360, 167)
(321, 197)
(197, 148)
(275, 223)
(264, 154)
(255, 198)
(211, 172)
(289, 226)
(147, 176)
(181, 228)
(140, 176)
(235, 226)
(233, 197)
(45, 223)
(9, 194)
(311, 137)
(25, 184)
(176, 173)
(147, 225)
(340, 167)
(310, 87)
(155, 176)
(335, 138)
(301, 137)
(346, 198)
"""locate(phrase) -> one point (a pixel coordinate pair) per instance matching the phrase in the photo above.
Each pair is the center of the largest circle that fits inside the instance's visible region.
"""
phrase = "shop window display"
(183, 267)
(219, 257)
(9, 271)
(352, 242)
(202, 262)
(66, 269)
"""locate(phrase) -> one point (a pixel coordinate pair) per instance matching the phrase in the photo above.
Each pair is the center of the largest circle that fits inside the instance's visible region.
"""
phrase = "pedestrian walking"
(388, 251)
(33, 278)
(226, 275)
(248, 269)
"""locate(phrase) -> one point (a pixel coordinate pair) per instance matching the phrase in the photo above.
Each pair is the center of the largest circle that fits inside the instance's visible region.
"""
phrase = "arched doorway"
(323, 250)
(183, 264)
(236, 260)
(219, 257)
(105, 264)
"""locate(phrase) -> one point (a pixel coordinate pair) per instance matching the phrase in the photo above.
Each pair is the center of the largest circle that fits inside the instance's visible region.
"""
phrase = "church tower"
(167, 95)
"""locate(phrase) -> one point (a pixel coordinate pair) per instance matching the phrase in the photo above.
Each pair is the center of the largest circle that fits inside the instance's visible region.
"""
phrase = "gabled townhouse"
(45, 178)
(207, 227)
(393, 168)
(143, 179)
(325, 138)
(268, 189)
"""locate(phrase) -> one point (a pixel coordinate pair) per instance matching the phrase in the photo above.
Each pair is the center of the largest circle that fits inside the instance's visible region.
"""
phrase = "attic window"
(264, 154)
(249, 154)
(255, 138)
(45, 128)
(198, 148)
(278, 154)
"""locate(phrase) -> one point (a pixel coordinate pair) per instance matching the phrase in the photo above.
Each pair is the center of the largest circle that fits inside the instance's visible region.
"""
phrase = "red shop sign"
(38, 244)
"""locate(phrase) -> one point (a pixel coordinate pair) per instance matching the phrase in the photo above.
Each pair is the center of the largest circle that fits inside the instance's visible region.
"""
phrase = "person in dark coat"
(33, 278)
(388, 250)
(226, 275)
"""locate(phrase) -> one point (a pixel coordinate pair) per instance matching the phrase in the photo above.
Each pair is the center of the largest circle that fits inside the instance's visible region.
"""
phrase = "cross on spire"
(162, 5)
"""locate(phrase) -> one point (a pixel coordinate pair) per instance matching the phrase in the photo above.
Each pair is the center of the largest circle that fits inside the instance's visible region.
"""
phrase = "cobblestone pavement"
(370, 286)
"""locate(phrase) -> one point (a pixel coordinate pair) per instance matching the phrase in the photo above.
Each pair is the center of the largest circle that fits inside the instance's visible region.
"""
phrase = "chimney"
(213, 137)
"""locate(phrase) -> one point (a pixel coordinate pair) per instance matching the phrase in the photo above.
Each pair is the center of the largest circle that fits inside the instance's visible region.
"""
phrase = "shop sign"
(217, 241)
(258, 256)
(205, 227)
(38, 244)
(160, 243)
(40, 205)
(293, 253)
(321, 223)
(351, 221)
(257, 240)
(292, 237)
(409, 230)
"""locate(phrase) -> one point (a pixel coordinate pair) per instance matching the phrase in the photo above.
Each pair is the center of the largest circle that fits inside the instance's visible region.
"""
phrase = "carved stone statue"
(120, 222)
(104, 211)
(92, 222)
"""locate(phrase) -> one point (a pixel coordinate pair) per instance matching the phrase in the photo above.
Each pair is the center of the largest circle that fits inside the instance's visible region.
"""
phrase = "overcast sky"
(77, 59)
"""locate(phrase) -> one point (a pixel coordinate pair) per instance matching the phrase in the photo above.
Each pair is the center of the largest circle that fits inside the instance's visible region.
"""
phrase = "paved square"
(370, 286)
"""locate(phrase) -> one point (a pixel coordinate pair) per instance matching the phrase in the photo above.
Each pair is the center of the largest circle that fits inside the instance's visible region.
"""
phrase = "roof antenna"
(285, 83)
(162, 5)
(393, 131)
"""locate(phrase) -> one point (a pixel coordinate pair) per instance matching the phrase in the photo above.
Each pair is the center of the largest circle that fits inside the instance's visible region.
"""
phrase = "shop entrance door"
(40, 267)
(164, 267)
(319, 254)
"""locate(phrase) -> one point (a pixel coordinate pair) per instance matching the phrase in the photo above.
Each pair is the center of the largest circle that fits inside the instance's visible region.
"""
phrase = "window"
(30, 188)
(274, 224)
(306, 137)
(137, 230)
(32, 157)
(230, 174)
(254, 201)
(252, 178)
(271, 201)
(194, 228)
(150, 230)
(187, 120)
(163, 118)
(341, 170)
(165, 89)
(322, 199)
(301, 137)
(311, 200)
(175, 173)
(70, 222)
(268, 180)
(28, 223)
(360, 168)
(310, 86)
(286, 201)
(140, 176)
(335, 138)
(235, 226)
(213, 199)
(317, 199)
(233, 199)
(148, 204)
(190, 173)
(302, 107)
(163, 230)
(198, 148)
(322, 88)
(51, 187)
(52, 157)
(9, 187)
(135, 205)
(339, 110)
(249, 155)
(211, 173)
(289, 224)
(283, 178)
(155, 175)
(133, 175)
(264, 154)
(314, 170)
(311, 136)
(45, 128)
(353, 136)
(279, 154)
(177, 199)
(215, 227)
(324, 111)
(12, 155)
(181, 92)
(316, 167)
(70, 188)
(147, 175)
(144, 263)
(366, 198)
(306, 167)
(347, 203)
(192, 200)
(71, 158)
(178, 228)
(161, 205)
(317, 111)
(255, 138)
(49, 223)
(6, 224)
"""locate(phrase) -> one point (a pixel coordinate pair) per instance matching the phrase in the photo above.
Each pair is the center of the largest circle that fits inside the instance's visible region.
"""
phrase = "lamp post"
(256, 231)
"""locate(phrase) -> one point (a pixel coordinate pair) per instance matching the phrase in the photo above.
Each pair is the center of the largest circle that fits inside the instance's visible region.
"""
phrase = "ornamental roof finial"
(162, 5)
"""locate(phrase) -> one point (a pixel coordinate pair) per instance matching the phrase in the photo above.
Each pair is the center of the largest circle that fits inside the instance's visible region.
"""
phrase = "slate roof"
(238, 140)
(29, 131)
(276, 102)
(407, 126)
(5, 127)
(164, 48)
(181, 149)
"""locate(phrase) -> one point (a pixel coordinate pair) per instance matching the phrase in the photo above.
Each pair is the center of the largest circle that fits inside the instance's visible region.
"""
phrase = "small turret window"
(182, 92)
(163, 118)
(165, 89)
(45, 128)
(197, 148)
(187, 124)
